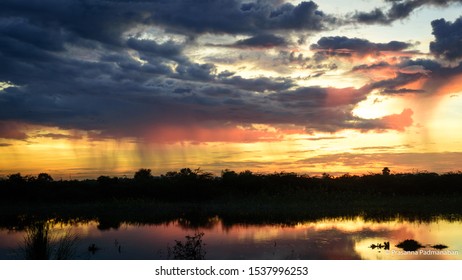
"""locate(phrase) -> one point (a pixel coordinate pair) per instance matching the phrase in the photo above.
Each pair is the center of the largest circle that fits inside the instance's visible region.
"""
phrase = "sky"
(93, 87)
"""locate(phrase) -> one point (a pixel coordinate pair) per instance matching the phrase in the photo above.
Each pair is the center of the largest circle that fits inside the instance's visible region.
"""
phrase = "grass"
(41, 243)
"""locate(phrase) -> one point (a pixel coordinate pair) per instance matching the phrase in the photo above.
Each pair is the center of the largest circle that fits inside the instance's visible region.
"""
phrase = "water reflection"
(335, 238)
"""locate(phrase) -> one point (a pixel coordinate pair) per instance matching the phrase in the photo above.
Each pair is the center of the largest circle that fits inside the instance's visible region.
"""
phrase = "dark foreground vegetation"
(196, 197)
(189, 185)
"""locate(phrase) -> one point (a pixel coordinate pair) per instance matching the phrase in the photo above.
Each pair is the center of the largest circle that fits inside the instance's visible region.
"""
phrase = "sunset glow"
(113, 86)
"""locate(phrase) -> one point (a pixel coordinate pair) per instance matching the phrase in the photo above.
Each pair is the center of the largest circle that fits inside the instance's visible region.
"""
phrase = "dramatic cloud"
(419, 76)
(344, 46)
(375, 66)
(117, 69)
(400, 9)
(448, 39)
(151, 48)
(398, 121)
(401, 80)
(263, 40)
(372, 17)
(232, 17)
(259, 84)
(149, 78)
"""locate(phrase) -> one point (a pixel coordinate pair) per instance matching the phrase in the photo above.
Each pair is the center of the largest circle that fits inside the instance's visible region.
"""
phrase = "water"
(333, 238)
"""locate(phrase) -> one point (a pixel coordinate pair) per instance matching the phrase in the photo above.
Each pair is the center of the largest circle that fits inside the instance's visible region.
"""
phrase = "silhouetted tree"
(203, 175)
(246, 173)
(44, 178)
(143, 175)
(105, 180)
(228, 175)
(16, 179)
(386, 171)
(187, 172)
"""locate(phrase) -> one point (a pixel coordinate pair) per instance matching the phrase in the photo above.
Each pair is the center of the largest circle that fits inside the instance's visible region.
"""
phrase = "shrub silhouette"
(191, 249)
(386, 171)
(143, 175)
(44, 178)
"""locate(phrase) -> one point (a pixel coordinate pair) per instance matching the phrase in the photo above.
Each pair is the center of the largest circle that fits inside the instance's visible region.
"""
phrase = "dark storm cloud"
(329, 110)
(400, 9)
(51, 39)
(372, 17)
(234, 17)
(315, 108)
(102, 21)
(438, 76)
(402, 91)
(196, 71)
(448, 39)
(149, 47)
(344, 46)
(434, 68)
(259, 84)
(432, 75)
(263, 40)
(74, 66)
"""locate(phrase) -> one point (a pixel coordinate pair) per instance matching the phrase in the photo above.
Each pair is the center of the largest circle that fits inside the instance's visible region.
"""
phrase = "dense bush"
(197, 185)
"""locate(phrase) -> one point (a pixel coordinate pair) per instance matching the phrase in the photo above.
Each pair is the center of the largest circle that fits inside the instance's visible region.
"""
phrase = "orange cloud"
(452, 85)
(398, 121)
(199, 134)
(344, 96)
(12, 130)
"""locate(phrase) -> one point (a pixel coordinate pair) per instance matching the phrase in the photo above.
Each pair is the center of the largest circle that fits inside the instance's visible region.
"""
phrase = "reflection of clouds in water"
(347, 239)
(351, 225)
(325, 239)
(329, 244)
(260, 235)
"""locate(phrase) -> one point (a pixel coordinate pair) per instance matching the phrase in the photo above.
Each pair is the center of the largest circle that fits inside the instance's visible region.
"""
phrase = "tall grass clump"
(40, 243)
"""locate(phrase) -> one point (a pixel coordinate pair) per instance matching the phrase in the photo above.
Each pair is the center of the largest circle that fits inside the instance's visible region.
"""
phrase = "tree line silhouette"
(197, 185)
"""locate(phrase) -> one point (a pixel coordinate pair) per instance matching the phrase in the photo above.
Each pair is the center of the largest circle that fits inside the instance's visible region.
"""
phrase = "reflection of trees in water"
(385, 246)
(407, 245)
(40, 243)
(191, 249)
(439, 246)
(106, 223)
(195, 220)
